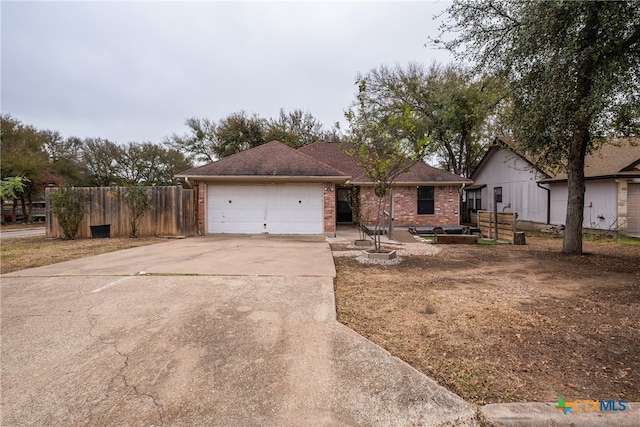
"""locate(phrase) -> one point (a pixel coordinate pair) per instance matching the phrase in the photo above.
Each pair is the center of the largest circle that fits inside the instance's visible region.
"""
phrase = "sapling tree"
(384, 144)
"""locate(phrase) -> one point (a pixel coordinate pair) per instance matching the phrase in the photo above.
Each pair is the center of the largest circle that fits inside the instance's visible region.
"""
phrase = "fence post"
(495, 211)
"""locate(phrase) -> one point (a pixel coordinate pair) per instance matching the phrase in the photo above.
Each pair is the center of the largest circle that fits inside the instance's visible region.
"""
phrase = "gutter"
(630, 175)
(263, 178)
(421, 183)
(464, 184)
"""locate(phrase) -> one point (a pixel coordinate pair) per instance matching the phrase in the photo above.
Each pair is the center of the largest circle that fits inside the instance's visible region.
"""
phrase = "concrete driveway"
(261, 255)
(226, 333)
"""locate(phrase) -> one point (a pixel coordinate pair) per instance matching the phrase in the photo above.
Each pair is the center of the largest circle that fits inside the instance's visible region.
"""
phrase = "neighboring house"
(612, 195)
(275, 189)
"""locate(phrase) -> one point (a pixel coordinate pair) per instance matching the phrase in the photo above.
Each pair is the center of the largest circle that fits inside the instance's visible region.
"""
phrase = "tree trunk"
(14, 209)
(572, 242)
(376, 230)
(29, 208)
(23, 208)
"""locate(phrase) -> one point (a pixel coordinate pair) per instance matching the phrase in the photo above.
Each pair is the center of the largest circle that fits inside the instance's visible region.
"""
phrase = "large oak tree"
(448, 103)
(574, 72)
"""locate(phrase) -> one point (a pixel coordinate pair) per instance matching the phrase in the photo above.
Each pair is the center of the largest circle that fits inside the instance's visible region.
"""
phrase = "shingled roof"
(617, 158)
(270, 160)
(420, 173)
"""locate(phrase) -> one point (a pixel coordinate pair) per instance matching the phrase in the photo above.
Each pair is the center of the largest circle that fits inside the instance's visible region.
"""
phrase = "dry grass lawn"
(505, 323)
(27, 252)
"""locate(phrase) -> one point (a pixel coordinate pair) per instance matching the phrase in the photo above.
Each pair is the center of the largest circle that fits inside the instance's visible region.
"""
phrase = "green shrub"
(139, 203)
(68, 204)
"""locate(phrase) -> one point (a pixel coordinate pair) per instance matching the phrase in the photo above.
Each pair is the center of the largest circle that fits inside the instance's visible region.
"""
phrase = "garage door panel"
(285, 208)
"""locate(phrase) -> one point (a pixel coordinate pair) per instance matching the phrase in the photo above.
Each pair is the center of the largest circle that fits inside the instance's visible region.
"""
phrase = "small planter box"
(100, 231)
(385, 255)
(456, 239)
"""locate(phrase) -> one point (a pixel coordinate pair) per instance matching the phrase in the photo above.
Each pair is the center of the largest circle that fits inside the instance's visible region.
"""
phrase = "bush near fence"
(173, 213)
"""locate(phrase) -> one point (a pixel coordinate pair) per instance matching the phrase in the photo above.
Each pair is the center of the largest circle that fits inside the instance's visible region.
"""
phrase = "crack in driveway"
(103, 340)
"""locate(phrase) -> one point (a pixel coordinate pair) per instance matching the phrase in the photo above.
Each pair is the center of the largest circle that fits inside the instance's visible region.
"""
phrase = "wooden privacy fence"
(172, 213)
(506, 225)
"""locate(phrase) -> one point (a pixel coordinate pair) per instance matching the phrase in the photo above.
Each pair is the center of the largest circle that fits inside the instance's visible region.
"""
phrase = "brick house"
(276, 189)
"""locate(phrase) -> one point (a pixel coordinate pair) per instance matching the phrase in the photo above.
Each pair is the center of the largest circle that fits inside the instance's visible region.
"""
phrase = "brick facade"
(405, 206)
(201, 212)
(329, 208)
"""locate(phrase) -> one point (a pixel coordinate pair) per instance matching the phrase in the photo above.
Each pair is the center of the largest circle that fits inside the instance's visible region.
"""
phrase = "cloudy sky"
(134, 71)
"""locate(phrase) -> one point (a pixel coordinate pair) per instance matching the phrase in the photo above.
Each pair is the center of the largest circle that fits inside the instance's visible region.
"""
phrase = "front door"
(344, 205)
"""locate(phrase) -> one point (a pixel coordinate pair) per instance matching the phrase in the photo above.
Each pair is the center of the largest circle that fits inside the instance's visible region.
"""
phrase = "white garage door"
(633, 209)
(260, 208)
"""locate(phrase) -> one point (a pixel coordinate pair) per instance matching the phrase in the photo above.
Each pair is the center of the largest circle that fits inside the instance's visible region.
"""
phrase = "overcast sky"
(136, 71)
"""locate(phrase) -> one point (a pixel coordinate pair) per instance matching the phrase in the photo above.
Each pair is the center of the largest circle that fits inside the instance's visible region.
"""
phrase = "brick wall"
(329, 208)
(202, 221)
(405, 206)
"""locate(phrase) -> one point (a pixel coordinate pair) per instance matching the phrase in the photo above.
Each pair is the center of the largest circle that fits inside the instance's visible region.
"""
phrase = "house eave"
(475, 187)
(263, 178)
(412, 183)
(593, 178)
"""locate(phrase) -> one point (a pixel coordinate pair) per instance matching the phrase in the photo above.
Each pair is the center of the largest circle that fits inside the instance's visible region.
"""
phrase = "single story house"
(539, 197)
(276, 189)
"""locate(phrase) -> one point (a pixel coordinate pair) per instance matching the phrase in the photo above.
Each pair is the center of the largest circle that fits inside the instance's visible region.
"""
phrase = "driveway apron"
(217, 330)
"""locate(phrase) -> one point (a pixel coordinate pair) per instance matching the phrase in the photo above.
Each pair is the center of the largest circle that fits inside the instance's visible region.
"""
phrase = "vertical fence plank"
(172, 212)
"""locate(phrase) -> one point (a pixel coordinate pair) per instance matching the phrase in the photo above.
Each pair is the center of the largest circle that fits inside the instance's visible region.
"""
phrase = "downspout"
(464, 184)
(548, 190)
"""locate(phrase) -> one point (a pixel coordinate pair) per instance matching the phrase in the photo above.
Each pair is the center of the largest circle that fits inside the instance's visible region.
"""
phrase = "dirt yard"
(504, 323)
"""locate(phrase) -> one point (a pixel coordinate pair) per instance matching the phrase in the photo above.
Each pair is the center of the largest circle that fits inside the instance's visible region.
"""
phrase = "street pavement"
(22, 232)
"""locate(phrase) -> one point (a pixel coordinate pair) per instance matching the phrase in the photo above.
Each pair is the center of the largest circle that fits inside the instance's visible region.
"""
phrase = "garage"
(633, 209)
(265, 208)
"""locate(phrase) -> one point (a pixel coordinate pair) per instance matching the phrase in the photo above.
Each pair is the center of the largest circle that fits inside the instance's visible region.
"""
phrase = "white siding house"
(600, 204)
(612, 195)
(516, 179)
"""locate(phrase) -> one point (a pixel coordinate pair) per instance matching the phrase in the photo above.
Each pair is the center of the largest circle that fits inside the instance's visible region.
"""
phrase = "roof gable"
(617, 157)
(502, 143)
(273, 159)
